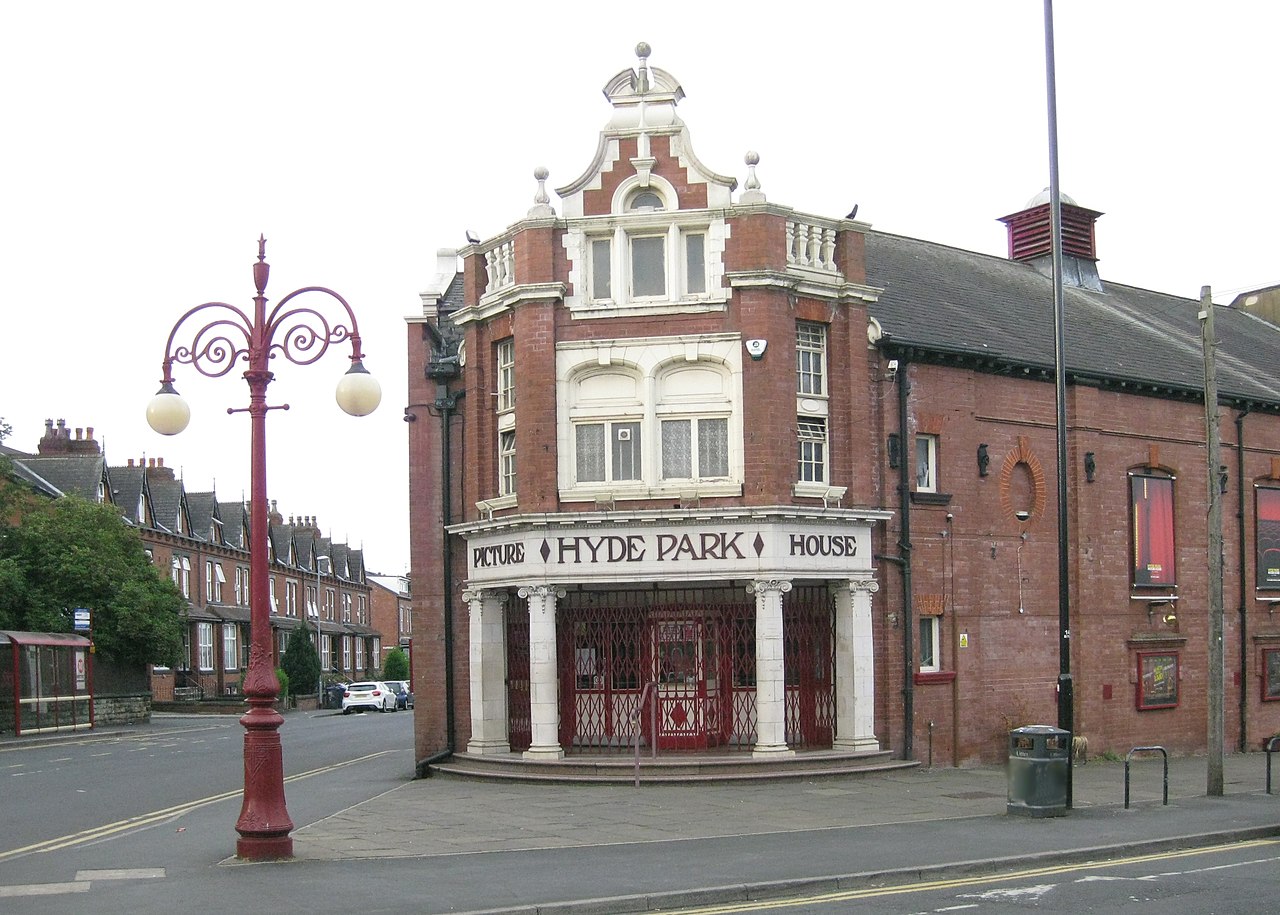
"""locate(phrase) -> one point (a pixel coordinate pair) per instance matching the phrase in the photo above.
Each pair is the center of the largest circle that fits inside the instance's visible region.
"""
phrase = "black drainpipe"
(1244, 585)
(903, 561)
(443, 369)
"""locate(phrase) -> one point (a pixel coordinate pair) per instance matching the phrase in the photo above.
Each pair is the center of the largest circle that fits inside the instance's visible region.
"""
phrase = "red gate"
(697, 646)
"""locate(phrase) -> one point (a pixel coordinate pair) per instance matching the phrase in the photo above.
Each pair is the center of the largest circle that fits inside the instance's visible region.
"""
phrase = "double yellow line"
(961, 882)
(150, 819)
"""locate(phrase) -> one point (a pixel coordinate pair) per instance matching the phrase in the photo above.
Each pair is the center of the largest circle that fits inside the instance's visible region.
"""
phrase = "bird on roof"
(472, 237)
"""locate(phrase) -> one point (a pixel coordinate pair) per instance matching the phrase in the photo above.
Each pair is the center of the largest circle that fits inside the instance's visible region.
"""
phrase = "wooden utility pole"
(1216, 686)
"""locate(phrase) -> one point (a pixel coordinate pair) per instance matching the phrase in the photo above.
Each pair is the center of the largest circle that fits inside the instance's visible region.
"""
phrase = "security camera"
(1022, 515)
(892, 371)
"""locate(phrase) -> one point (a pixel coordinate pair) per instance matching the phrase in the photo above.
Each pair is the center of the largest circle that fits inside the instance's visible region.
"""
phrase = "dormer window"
(647, 254)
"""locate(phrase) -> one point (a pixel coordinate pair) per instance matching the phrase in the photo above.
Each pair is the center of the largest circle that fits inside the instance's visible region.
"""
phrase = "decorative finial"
(751, 190)
(261, 270)
(541, 200)
(642, 51)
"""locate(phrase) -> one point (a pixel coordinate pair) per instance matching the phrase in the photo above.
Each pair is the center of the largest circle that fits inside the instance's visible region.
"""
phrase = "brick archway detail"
(1022, 454)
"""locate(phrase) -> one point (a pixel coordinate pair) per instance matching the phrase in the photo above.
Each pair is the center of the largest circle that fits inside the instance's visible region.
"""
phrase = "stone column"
(489, 727)
(855, 666)
(771, 692)
(544, 683)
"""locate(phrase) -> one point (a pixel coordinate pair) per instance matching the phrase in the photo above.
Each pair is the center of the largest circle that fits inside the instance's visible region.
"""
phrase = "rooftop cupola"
(1031, 239)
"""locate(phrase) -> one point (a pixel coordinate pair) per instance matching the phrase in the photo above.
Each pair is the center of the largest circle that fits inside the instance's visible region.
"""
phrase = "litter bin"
(1039, 757)
(333, 695)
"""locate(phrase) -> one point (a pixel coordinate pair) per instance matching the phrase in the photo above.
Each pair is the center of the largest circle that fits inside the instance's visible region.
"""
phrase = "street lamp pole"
(229, 338)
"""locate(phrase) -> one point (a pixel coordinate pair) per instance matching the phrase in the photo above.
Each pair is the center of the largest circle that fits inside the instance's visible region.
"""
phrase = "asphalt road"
(1241, 878)
(151, 813)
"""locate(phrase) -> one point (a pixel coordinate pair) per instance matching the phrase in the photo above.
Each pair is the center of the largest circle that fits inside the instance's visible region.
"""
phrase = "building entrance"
(695, 649)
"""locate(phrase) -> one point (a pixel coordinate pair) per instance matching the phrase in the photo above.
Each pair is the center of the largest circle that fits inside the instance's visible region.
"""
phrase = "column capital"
(764, 585)
(471, 595)
(542, 592)
(870, 585)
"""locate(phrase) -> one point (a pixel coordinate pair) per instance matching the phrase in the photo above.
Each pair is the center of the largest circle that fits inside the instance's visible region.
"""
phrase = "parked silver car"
(404, 695)
(369, 694)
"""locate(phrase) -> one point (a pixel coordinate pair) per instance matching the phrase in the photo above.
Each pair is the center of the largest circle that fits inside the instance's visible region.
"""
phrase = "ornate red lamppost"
(230, 338)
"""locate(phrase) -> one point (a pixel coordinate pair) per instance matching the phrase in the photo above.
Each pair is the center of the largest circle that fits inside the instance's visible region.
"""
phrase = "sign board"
(82, 620)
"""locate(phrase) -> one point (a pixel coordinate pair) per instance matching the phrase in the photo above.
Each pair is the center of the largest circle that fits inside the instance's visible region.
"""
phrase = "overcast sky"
(148, 144)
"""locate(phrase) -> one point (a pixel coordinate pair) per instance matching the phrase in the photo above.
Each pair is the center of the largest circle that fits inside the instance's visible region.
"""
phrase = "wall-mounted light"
(895, 451)
(984, 460)
(1090, 466)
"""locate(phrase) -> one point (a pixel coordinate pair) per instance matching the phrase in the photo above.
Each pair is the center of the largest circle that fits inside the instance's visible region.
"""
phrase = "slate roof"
(127, 487)
(946, 301)
(166, 502)
(71, 474)
(235, 521)
(203, 507)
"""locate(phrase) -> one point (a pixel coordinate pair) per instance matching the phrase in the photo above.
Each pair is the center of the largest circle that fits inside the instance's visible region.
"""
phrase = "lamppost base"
(264, 823)
(265, 848)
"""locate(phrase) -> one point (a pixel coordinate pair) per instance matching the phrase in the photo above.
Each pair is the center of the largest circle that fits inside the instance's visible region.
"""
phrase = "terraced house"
(697, 472)
(202, 543)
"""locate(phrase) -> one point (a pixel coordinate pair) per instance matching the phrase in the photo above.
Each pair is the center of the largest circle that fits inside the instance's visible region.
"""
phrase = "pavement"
(839, 832)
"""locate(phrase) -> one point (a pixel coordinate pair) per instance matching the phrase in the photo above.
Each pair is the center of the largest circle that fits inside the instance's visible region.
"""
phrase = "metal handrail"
(1272, 745)
(1162, 752)
(650, 689)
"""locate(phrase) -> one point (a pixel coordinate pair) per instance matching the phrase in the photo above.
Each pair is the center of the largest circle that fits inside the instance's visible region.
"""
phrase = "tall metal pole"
(233, 338)
(1216, 687)
(319, 637)
(1066, 687)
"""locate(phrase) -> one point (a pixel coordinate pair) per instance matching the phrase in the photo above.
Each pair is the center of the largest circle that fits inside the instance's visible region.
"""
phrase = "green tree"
(301, 662)
(396, 666)
(71, 553)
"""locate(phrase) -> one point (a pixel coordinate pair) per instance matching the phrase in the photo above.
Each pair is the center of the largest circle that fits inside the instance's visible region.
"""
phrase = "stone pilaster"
(855, 666)
(488, 628)
(544, 684)
(771, 697)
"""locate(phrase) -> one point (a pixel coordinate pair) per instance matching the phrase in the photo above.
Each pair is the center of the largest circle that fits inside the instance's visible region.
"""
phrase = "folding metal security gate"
(696, 647)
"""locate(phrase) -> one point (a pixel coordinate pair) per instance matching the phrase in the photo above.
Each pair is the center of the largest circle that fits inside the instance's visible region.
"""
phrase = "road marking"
(111, 830)
(131, 873)
(929, 885)
(42, 889)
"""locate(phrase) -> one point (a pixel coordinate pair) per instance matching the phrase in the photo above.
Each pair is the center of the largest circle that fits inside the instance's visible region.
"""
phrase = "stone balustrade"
(811, 245)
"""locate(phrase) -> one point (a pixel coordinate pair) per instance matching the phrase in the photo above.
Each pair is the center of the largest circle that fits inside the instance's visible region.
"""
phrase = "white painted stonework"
(744, 544)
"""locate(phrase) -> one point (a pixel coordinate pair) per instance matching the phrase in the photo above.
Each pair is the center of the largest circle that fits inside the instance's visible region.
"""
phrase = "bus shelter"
(46, 682)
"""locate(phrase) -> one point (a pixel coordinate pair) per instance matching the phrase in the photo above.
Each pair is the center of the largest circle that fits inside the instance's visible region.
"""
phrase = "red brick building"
(203, 545)
(793, 479)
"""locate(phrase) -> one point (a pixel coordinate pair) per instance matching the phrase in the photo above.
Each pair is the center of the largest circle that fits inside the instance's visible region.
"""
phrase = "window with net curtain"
(693, 410)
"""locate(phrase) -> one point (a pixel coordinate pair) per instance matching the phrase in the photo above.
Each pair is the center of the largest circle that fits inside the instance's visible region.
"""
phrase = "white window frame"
(506, 462)
(614, 434)
(230, 646)
(219, 580)
(291, 598)
(346, 608)
(359, 650)
(346, 652)
(811, 359)
(645, 382)
(925, 459)
(208, 580)
(697, 471)
(204, 646)
(271, 587)
(505, 360)
(929, 631)
(362, 609)
(812, 434)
